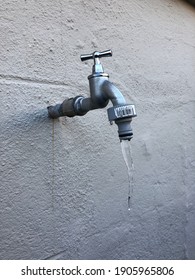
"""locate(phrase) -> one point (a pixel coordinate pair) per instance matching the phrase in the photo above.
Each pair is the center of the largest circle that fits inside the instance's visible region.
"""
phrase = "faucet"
(101, 92)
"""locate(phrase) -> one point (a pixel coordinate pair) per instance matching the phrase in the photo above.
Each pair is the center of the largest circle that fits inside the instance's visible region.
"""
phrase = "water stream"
(128, 158)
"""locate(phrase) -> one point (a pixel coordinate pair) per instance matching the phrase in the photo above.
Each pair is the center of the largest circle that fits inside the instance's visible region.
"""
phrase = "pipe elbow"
(112, 93)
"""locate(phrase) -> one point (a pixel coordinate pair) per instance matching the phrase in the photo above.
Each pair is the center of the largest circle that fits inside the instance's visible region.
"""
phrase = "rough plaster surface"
(64, 183)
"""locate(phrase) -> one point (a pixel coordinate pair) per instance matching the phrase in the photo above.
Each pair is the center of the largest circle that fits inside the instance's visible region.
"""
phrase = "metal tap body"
(101, 92)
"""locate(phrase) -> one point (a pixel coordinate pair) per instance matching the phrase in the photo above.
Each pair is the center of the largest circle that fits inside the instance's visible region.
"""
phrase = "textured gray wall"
(64, 184)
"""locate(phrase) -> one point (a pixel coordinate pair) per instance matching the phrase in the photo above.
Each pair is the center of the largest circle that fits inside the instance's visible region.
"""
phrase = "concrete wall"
(64, 184)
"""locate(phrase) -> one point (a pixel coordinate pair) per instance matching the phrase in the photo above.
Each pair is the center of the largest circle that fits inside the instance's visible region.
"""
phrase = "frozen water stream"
(128, 158)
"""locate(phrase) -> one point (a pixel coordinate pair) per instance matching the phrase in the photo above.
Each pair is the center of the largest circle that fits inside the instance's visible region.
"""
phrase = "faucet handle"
(95, 55)
(97, 67)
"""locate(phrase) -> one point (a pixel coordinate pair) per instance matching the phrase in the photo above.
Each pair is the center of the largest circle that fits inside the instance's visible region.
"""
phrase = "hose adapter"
(122, 115)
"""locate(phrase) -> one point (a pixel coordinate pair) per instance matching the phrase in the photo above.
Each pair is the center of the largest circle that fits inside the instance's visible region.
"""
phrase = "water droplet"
(129, 203)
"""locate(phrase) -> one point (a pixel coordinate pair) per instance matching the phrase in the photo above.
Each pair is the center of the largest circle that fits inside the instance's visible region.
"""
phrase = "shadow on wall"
(24, 181)
(23, 151)
(26, 148)
(192, 2)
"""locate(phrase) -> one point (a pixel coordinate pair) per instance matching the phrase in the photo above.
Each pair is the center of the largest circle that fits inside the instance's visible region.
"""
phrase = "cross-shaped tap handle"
(96, 55)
